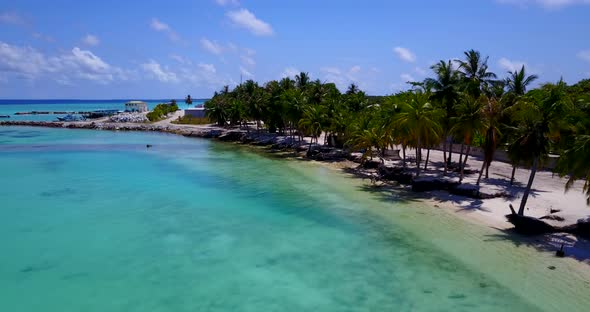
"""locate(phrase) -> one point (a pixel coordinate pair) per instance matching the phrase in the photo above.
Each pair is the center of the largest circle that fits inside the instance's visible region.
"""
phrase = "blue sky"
(165, 49)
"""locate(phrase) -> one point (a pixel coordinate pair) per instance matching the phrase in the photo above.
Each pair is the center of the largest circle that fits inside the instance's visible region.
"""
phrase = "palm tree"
(215, 111)
(516, 85)
(574, 163)
(421, 120)
(468, 124)
(491, 112)
(302, 81)
(446, 92)
(216, 108)
(352, 89)
(236, 113)
(475, 71)
(541, 118)
(293, 100)
(252, 96)
(312, 121)
(518, 81)
(287, 83)
(368, 132)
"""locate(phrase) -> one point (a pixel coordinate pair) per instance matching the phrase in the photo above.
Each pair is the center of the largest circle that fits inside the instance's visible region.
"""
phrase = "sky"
(167, 49)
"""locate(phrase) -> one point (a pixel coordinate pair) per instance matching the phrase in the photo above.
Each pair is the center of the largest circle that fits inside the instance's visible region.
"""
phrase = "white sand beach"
(548, 193)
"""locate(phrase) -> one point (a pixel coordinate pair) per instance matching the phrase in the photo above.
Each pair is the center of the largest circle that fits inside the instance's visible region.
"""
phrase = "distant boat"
(4, 116)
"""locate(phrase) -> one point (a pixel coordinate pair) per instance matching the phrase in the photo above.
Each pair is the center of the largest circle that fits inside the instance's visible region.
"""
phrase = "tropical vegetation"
(462, 103)
(162, 110)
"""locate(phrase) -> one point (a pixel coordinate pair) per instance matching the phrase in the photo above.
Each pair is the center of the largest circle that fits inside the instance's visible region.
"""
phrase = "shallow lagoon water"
(95, 221)
(10, 107)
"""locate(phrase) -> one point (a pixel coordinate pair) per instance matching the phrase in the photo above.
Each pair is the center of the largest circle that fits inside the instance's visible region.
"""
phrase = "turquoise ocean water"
(95, 221)
(10, 107)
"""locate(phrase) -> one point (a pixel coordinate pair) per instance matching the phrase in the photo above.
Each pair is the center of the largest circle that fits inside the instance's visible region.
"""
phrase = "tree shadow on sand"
(387, 193)
(576, 248)
(464, 204)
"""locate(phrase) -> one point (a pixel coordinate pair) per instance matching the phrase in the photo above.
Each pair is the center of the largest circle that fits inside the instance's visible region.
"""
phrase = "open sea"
(95, 221)
(10, 107)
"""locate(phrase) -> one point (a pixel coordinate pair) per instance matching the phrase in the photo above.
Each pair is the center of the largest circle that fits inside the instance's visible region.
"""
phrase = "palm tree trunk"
(513, 172)
(404, 155)
(487, 171)
(444, 155)
(418, 157)
(525, 196)
(466, 155)
(481, 172)
(461, 154)
(464, 163)
(427, 157)
(450, 153)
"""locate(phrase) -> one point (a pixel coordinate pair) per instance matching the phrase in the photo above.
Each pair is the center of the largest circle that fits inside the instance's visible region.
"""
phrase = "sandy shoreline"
(491, 212)
(548, 190)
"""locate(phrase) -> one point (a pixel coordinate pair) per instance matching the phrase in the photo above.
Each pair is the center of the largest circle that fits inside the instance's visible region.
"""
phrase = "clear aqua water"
(95, 221)
(10, 107)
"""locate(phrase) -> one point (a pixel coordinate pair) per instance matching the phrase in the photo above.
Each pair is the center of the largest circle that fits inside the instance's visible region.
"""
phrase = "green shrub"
(160, 111)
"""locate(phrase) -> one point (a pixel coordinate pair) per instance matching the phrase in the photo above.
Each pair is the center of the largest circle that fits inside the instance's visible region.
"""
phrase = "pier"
(86, 114)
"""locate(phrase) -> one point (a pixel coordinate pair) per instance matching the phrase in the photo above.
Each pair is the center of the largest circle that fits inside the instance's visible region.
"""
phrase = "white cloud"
(397, 87)
(232, 47)
(244, 72)
(290, 72)
(420, 71)
(210, 68)
(355, 69)
(407, 77)
(156, 71)
(24, 62)
(205, 75)
(405, 54)
(547, 4)
(245, 19)
(248, 57)
(159, 26)
(249, 52)
(27, 63)
(584, 55)
(343, 78)
(331, 70)
(89, 60)
(12, 18)
(181, 59)
(248, 60)
(91, 40)
(510, 65)
(227, 2)
(211, 46)
(43, 37)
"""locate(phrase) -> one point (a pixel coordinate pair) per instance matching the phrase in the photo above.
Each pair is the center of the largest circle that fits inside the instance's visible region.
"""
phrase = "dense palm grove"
(463, 103)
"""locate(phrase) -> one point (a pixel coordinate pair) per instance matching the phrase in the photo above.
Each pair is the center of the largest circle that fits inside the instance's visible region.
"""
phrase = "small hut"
(136, 106)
